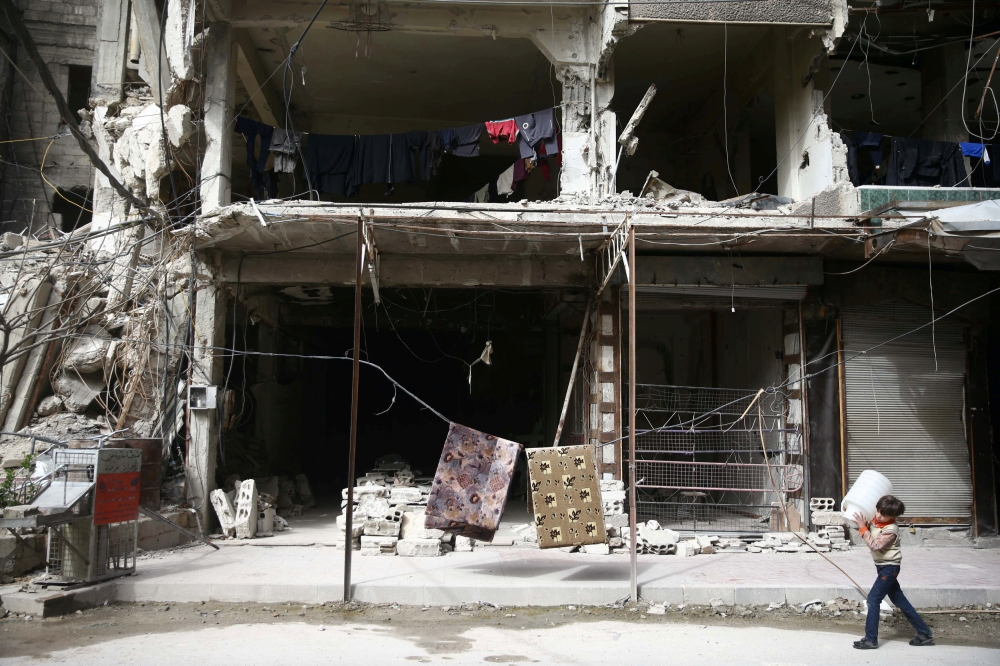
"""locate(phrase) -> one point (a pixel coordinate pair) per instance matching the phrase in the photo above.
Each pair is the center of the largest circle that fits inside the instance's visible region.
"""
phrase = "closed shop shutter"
(904, 418)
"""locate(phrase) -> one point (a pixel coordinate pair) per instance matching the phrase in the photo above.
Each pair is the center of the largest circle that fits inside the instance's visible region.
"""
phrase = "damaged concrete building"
(788, 183)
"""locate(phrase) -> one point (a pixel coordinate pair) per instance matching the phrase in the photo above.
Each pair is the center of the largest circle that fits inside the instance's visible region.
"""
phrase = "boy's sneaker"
(921, 639)
(865, 644)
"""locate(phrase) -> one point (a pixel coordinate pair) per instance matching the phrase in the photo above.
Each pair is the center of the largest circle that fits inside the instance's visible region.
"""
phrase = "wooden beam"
(255, 79)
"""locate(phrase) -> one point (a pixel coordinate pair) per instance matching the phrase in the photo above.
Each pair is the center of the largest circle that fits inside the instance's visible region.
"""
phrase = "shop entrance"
(700, 463)
(290, 396)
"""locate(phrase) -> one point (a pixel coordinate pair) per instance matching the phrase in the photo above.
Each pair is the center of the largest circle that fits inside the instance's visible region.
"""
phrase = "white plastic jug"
(864, 494)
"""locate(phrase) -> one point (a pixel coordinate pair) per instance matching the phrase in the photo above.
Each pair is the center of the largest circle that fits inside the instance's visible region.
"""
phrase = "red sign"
(116, 498)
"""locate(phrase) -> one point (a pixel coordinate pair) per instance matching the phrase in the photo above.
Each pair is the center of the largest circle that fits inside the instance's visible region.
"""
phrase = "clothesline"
(909, 162)
(340, 164)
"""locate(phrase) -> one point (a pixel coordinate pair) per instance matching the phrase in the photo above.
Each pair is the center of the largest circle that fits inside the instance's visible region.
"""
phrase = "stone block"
(463, 544)
(619, 521)
(78, 390)
(613, 495)
(418, 547)
(614, 507)
(687, 548)
(371, 506)
(596, 549)
(246, 510)
(406, 495)
(827, 518)
(612, 484)
(413, 527)
(265, 520)
(378, 545)
(224, 511)
(381, 527)
(659, 537)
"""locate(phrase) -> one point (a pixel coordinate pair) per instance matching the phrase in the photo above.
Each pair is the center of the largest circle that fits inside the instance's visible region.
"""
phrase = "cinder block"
(418, 547)
(381, 527)
(596, 549)
(687, 548)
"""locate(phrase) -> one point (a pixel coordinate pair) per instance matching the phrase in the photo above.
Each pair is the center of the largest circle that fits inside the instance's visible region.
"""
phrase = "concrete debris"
(378, 545)
(596, 549)
(823, 540)
(76, 390)
(265, 521)
(224, 511)
(246, 510)
(88, 353)
(418, 547)
(389, 502)
(49, 405)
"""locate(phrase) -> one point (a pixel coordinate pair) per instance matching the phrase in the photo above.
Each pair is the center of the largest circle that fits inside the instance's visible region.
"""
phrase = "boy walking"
(882, 536)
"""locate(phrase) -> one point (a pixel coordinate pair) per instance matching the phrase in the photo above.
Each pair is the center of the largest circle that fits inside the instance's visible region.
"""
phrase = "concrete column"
(220, 89)
(811, 157)
(209, 332)
(109, 55)
(580, 49)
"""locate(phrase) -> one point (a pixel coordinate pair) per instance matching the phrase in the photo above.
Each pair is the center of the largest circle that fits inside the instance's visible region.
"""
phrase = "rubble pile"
(823, 540)
(388, 515)
(258, 507)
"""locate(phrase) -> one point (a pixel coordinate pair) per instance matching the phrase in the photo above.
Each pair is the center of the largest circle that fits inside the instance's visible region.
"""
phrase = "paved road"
(596, 643)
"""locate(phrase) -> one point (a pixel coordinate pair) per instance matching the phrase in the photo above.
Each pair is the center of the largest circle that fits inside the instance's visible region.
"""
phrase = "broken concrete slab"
(87, 353)
(371, 506)
(77, 390)
(378, 545)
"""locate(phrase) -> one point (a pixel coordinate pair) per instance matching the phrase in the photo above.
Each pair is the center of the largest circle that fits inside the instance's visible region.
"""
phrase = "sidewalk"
(515, 576)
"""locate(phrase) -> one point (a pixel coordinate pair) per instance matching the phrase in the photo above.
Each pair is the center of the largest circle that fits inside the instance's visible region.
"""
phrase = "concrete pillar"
(109, 55)
(220, 89)
(209, 333)
(580, 48)
(811, 157)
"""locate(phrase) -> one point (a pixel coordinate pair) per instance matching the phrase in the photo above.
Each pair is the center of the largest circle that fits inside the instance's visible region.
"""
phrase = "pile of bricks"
(388, 516)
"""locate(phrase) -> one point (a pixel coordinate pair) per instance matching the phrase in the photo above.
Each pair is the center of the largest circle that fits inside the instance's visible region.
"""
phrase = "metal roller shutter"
(905, 419)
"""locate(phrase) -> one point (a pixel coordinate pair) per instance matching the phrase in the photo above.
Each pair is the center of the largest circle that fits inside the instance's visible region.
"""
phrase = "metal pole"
(349, 523)
(572, 373)
(633, 563)
(804, 397)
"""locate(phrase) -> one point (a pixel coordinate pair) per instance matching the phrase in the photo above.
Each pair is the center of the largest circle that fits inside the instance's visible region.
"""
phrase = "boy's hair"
(890, 506)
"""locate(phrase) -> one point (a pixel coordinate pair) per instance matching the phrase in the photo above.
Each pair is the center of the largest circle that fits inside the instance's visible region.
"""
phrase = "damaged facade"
(784, 223)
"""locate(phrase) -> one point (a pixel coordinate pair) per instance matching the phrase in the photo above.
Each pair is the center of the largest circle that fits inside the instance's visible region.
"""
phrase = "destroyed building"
(800, 179)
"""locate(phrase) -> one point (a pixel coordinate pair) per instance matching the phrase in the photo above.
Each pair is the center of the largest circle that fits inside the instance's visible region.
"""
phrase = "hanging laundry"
(285, 149)
(977, 150)
(505, 182)
(430, 155)
(866, 164)
(534, 128)
(470, 486)
(504, 129)
(462, 141)
(925, 163)
(482, 195)
(544, 154)
(251, 129)
(329, 159)
(566, 496)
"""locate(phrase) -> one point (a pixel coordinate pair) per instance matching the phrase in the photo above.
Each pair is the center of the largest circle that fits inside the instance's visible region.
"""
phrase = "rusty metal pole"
(349, 523)
(633, 562)
(572, 373)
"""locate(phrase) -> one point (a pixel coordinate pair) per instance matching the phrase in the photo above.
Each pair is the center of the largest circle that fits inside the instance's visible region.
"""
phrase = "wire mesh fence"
(700, 457)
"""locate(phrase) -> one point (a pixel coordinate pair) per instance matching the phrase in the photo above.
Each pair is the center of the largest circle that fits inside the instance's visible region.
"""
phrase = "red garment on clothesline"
(504, 128)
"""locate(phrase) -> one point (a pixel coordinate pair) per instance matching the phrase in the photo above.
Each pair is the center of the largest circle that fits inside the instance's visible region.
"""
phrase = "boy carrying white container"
(882, 537)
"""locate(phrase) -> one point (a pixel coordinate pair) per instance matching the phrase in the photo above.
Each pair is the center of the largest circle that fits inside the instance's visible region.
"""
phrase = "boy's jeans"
(887, 585)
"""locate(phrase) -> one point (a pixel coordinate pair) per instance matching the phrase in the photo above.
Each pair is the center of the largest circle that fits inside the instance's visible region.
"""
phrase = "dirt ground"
(21, 636)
